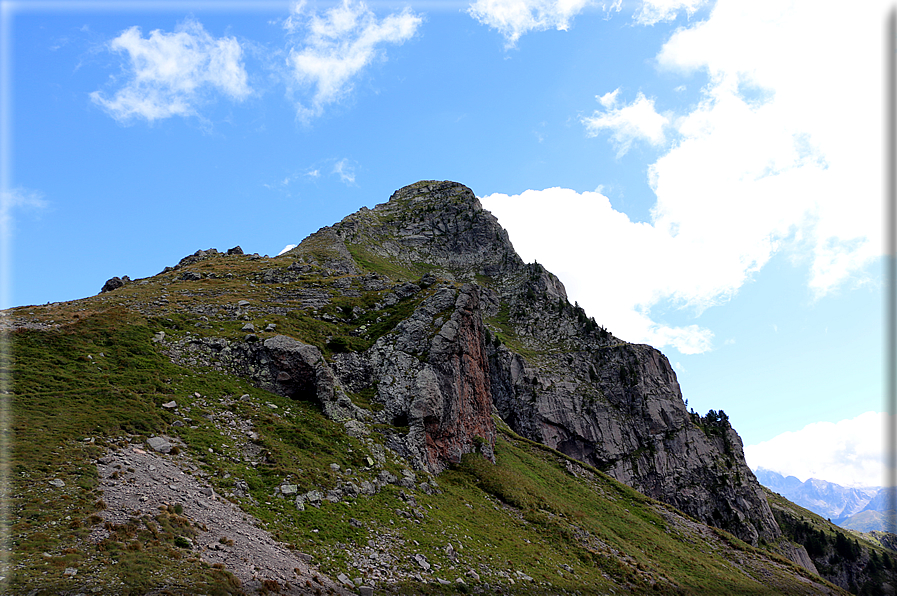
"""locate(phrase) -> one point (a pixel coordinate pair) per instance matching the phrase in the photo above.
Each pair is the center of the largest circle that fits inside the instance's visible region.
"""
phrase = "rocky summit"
(399, 404)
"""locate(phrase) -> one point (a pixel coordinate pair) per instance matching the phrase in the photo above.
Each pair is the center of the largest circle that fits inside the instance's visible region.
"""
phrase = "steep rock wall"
(620, 409)
(432, 372)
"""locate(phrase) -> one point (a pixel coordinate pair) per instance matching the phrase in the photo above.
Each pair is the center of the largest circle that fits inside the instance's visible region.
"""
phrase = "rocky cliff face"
(619, 408)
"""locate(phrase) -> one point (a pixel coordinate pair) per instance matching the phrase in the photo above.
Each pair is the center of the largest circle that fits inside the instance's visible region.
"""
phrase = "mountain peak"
(439, 227)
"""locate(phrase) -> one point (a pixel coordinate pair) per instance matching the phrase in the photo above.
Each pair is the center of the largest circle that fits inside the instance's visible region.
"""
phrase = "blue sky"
(703, 176)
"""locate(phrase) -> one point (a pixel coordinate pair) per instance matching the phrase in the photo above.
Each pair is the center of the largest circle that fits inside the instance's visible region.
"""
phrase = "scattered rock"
(235, 251)
(248, 327)
(158, 337)
(114, 283)
(253, 555)
(57, 483)
(422, 561)
(170, 405)
(159, 444)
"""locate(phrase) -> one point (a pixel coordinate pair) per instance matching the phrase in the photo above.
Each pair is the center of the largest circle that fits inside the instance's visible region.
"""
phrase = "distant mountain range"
(863, 509)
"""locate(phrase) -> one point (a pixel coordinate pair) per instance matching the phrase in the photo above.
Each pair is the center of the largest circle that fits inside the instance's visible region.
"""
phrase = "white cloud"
(654, 11)
(513, 18)
(638, 120)
(345, 170)
(168, 73)
(19, 199)
(339, 45)
(294, 21)
(849, 452)
(287, 248)
(799, 168)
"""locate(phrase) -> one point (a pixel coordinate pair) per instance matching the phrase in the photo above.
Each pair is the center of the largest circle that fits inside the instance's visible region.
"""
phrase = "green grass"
(370, 261)
(504, 330)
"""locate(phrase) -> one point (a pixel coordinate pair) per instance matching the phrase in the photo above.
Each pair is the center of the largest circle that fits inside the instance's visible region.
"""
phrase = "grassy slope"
(863, 562)
(526, 514)
(867, 521)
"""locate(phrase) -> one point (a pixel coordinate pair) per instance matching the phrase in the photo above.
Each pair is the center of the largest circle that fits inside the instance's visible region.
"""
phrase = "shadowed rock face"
(626, 416)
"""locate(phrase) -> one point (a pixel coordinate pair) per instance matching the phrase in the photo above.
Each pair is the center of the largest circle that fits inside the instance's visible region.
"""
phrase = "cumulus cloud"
(169, 73)
(338, 45)
(513, 18)
(849, 452)
(758, 172)
(655, 11)
(286, 248)
(627, 123)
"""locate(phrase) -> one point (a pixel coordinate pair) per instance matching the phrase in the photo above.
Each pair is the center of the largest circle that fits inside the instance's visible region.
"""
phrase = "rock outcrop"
(114, 283)
(431, 374)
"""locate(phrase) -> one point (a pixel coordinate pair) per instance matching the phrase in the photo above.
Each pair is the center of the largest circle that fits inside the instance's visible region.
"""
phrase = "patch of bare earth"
(227, 535)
